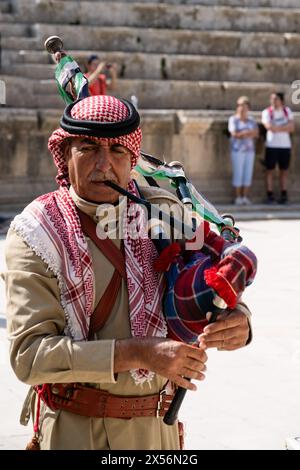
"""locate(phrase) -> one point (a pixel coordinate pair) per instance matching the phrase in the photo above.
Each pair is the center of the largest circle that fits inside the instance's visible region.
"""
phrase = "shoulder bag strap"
(116, 257)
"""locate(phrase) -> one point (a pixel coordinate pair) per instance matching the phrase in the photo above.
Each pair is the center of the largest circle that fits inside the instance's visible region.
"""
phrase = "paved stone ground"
(250, 399)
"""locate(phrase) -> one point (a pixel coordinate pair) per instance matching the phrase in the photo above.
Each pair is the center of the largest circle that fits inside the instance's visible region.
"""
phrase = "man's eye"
(87, 149)
(118, 149)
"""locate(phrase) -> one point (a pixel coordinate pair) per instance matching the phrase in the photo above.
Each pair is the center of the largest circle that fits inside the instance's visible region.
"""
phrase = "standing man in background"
(98, 83)
(279, 122)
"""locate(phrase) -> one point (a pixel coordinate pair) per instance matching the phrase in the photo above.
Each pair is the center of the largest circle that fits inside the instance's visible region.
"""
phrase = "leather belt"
(95, 403)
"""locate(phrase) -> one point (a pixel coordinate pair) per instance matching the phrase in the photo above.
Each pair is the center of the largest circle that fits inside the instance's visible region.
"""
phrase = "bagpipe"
(200, 278)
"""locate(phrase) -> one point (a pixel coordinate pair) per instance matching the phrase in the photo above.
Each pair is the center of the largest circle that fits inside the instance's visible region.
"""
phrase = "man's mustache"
(102, 178)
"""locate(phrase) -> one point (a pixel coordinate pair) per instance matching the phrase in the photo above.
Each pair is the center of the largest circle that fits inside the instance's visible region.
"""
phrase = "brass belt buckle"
(160, 401)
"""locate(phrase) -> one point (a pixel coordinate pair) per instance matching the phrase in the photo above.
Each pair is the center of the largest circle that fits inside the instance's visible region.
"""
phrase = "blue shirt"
(235, 124)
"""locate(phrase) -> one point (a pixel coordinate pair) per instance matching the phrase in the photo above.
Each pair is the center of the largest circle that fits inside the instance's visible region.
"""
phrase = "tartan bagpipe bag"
(194, 278)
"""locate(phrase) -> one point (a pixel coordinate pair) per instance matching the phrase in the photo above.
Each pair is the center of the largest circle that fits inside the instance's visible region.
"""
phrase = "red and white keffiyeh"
(100, 108)
(51, 227)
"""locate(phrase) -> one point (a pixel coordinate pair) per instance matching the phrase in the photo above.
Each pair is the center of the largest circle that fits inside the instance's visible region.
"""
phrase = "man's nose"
(103, 159)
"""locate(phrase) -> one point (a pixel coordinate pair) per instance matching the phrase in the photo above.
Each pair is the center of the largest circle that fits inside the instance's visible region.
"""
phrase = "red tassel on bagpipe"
(167, 257)
(221, 286)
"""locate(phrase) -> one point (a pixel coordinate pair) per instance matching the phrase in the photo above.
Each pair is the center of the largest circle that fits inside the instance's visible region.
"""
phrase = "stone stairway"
(187, 61)
(172, 55)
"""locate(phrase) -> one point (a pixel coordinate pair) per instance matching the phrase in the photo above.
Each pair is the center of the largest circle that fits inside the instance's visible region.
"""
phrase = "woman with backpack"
(243, 131)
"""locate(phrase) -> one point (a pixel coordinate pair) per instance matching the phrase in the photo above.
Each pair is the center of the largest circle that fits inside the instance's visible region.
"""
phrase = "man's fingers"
(223, 324)
(197, 353)
(227, 333)
(223, 345)
(182, 382)
(192, 374)
(223, 335)
(196, 366)
(57, 57)
(212, 344)
(231, 346)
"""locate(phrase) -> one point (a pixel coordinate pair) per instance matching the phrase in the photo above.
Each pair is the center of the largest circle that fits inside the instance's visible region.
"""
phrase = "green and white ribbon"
(204, 208)
(201, 205)
(68, 70)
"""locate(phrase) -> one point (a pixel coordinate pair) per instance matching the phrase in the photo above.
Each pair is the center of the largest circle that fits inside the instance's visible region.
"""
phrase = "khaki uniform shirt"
(40, 353)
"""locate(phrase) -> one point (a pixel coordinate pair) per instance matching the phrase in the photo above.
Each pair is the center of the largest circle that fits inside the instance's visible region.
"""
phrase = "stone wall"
(177, 57)
(196, 139)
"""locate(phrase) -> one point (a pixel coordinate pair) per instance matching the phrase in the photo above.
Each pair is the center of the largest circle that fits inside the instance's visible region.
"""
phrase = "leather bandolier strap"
(116, 257)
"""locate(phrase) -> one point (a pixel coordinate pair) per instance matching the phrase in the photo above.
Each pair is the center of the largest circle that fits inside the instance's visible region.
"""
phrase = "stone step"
(152, 94)
(46, 5)
(276, 208)
(160, 67)
(261, 212)
(16, 57)
(193, 17)
(25, 190)
(234, 3)
(5, 6)
(168, 42)
(52, 101)
(34, 71)
(19, 44)
(14, 29)
(7, 17)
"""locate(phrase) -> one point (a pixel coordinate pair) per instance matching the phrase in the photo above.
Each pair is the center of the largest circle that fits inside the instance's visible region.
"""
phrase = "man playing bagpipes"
(85, 313)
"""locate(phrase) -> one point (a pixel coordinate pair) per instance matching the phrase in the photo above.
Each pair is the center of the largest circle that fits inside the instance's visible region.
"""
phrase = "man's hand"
(58, 56)
(170, 359)
(228, 333)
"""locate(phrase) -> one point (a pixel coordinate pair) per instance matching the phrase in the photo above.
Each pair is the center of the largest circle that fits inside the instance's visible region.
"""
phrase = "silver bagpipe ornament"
(210, 278)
